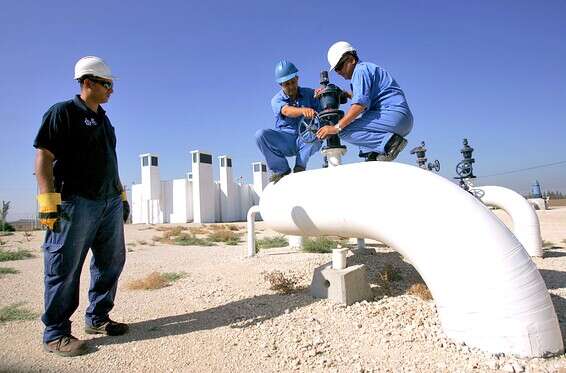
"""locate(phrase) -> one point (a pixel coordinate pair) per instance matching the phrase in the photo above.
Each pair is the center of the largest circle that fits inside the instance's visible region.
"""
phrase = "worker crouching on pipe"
(289, 105)
(379, 117)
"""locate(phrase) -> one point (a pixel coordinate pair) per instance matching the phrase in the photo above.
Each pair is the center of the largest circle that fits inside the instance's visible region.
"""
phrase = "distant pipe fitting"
(420, 151)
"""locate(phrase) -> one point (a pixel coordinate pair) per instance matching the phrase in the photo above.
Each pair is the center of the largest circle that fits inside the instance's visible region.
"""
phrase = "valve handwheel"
(464, 168)
(308, 127)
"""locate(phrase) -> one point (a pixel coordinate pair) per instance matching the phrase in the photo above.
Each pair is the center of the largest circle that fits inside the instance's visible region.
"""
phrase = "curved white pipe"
(526, 225)
(488, 292)
(252, 212)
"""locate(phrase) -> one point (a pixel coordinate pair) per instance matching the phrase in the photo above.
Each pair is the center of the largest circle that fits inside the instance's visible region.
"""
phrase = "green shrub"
(319, 245)
(5, 233)
(190, 240)
(271, 242)
(8, 271)
(20, 254)
(14, 312)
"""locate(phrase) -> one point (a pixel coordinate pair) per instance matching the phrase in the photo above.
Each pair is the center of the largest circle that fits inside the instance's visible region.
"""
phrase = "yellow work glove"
(125, 205)
(49, 209)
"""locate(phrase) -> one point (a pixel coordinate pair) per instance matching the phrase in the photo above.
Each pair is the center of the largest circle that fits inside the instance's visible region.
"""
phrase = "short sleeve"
(51, 132)
(361, 88)
(277, 104)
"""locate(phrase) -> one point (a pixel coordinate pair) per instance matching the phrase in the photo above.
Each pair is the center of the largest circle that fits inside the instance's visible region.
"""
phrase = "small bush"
(20, 254)
(8, 271)
(223, 236)
(391, 273)
(28, 236)
(271, 242)
(142, 242)
(155, 280)
(197, 230)
(2, 242)
(547, 243)
(233, 228)
(281, 283)
(14, 312)
(420, 290)
(319, 245)
(7, 228)
(190, 240)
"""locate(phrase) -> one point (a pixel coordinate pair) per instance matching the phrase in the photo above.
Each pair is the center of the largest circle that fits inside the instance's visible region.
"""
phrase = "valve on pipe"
(331, 97)
(464, 168)
(420, 151)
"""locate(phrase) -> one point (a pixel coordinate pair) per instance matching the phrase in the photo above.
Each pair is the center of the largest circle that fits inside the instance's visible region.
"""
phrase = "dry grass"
(271, 242)
(8, 271)
(6, 255)
(197, 230)
(391, 273)
(281, 283)
(155, 280)
(28, 236)
(224, 235)
(15, 312)
(547, 244)
(420, 290)
(190, 240)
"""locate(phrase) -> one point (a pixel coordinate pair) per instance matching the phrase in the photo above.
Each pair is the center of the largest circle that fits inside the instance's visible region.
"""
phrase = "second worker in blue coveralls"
(289, 105)
(379, 117)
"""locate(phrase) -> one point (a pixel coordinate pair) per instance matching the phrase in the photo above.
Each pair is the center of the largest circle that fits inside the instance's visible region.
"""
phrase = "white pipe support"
(251, 216)
(334, 155)
(339, 258)
(488, 292)
(361, 243)
(526, 226)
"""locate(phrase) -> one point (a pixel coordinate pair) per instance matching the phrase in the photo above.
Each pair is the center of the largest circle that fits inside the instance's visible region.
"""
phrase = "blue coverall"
(386, 109)
(284, 140)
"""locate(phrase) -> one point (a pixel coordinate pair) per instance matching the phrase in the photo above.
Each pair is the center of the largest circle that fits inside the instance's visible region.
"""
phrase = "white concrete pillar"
(151, 184)
(229, 194)
(203, 187)
(260, 179)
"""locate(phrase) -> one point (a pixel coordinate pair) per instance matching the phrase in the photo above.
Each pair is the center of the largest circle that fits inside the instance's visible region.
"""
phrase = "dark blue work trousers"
(85, 224)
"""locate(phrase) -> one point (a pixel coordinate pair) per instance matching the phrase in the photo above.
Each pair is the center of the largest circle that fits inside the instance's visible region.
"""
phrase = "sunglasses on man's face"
(104, 83)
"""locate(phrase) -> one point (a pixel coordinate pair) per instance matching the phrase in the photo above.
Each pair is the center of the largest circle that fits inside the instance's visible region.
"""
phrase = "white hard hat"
(91, 65)
(336, 51)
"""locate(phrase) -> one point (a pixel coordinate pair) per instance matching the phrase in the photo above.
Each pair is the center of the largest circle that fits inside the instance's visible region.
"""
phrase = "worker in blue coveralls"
(379, 117)
(290, 105)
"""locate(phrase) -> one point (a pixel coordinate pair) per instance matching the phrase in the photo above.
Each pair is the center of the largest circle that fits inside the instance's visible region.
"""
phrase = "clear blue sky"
(199, 75)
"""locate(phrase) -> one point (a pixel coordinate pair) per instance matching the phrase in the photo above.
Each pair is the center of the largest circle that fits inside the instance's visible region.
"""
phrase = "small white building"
(196, 197)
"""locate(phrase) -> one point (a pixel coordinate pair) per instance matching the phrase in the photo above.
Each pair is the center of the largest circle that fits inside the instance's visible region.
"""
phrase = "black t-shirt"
(84, 145)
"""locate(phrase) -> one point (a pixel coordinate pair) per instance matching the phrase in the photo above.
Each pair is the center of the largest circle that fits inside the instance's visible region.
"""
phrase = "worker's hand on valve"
(326, 131)
(308, 112)
(318, 91)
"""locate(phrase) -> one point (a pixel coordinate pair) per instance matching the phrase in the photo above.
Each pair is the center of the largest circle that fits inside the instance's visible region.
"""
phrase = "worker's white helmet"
(336, 51)
(91, 65)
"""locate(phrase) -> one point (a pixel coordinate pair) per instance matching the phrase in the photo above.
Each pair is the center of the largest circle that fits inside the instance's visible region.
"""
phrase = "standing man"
(83, 206)
(289, 105)
(379, 117)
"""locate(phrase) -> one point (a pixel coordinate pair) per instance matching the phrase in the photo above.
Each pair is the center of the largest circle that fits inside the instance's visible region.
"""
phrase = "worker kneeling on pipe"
(289, 105)
(379, 117)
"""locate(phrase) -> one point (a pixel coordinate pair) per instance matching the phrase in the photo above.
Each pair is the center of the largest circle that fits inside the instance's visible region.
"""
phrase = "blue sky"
(199, 75)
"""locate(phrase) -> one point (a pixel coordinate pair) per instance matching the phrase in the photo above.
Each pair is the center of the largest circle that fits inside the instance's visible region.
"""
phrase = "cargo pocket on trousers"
(53, 259)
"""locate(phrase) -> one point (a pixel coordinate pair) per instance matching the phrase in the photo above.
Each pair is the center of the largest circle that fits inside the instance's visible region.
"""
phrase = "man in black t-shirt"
(83, 205)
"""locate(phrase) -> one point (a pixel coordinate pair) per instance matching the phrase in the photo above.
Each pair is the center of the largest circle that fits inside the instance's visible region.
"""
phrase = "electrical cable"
(523, 169)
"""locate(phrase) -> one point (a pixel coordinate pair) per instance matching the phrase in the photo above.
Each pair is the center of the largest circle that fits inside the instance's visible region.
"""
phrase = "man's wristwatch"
(337, 128)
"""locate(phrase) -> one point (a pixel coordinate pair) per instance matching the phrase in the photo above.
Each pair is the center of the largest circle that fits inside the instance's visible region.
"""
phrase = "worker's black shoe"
(107, 328)
(276, 177)
(298, 169)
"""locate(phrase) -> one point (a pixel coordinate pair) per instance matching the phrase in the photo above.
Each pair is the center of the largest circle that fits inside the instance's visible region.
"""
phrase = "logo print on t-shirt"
(90, 122)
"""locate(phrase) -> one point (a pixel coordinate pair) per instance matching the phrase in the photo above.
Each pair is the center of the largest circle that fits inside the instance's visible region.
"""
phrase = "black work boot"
(107, 328)
(298, 169)
(276, 177)
(66, 346)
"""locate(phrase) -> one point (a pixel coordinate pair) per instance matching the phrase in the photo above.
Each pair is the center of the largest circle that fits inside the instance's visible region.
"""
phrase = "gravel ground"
(222, 317)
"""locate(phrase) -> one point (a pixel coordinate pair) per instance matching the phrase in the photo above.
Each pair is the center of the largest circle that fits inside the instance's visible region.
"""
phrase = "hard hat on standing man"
(92, 65)
(336, 51)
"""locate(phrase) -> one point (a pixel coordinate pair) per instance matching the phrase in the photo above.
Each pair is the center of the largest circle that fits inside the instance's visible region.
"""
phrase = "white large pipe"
(526, 225)
(489, 293)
